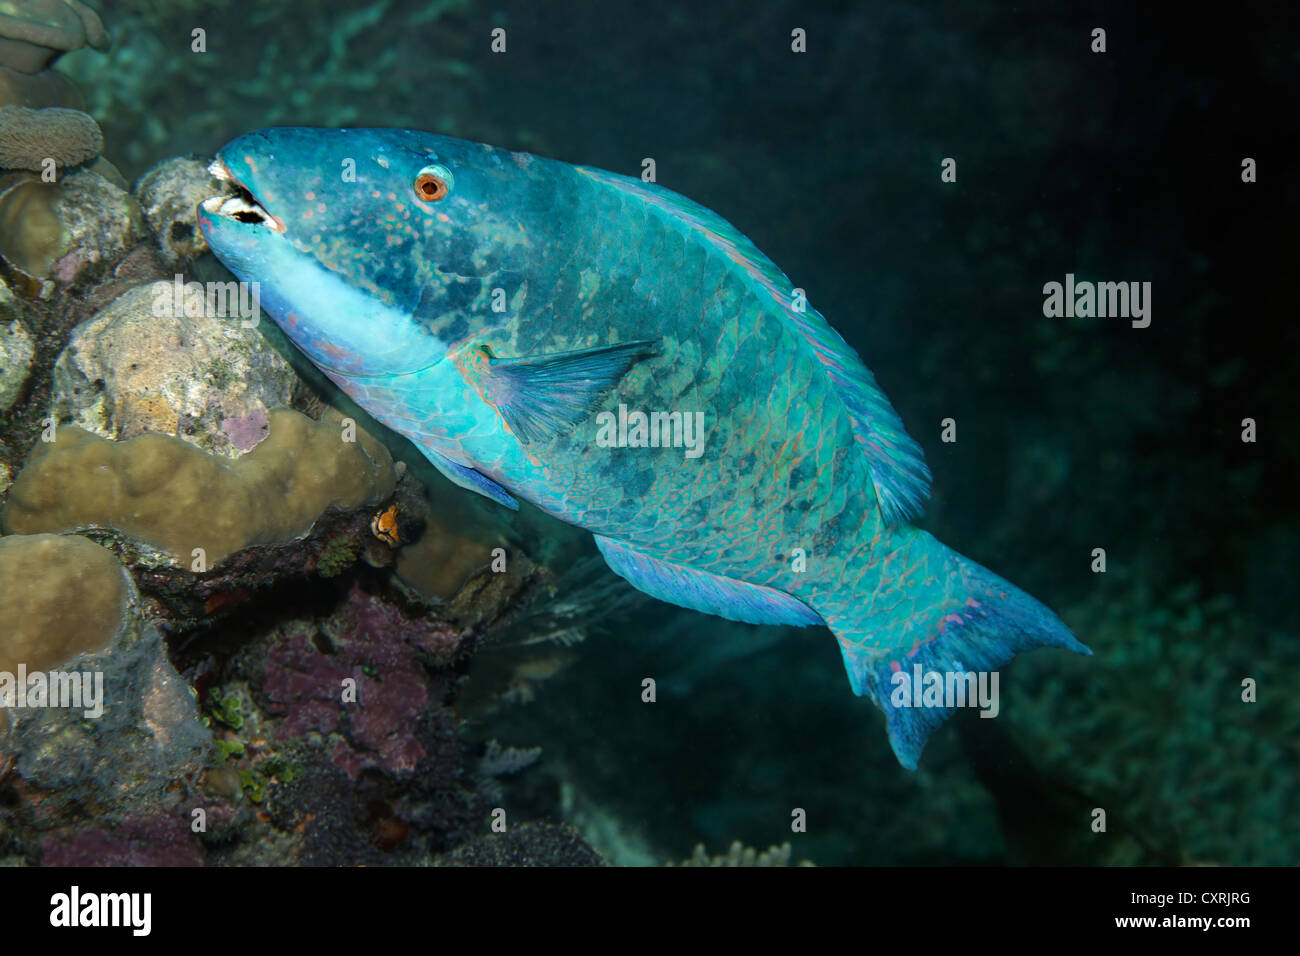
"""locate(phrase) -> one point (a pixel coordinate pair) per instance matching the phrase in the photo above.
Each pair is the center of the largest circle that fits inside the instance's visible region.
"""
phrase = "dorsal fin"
(898, 470)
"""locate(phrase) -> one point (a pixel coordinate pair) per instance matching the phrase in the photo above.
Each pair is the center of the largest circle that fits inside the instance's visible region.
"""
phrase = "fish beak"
(239, 204)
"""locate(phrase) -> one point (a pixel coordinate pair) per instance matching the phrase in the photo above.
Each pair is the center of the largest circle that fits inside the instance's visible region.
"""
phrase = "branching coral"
(1161, 715)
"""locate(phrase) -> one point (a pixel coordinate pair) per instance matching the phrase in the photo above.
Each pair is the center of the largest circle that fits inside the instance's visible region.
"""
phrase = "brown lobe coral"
(33, 33)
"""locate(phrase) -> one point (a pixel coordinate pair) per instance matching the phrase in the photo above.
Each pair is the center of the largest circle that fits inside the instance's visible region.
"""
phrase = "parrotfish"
(630, 363)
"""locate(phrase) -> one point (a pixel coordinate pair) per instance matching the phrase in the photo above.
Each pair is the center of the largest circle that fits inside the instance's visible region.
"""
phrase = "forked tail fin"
(951, 618)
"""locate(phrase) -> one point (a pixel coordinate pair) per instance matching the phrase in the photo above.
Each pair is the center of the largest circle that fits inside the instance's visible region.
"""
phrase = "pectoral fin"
(469, 478)
(543, 395)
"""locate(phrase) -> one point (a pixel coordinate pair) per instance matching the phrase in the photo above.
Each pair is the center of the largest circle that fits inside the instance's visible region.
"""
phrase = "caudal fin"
(958, 619)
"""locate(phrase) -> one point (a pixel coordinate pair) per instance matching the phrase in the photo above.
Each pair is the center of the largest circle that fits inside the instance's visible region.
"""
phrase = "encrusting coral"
(175, 497)
(41, 578)
(31, 236)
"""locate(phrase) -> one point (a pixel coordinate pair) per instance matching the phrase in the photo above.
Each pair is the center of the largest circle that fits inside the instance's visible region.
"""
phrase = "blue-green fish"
(630, 363)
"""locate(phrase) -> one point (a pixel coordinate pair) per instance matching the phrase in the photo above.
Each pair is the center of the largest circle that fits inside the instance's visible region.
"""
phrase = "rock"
(142, 366)
(16, 352)
(101, 222)
(61, 229)
(168, 194)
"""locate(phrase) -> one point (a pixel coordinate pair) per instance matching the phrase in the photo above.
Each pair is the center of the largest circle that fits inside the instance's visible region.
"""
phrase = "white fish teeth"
(230, 205)
(234, 204)
(218, 170)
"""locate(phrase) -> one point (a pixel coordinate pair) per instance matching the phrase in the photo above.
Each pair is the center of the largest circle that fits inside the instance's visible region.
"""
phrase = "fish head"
(376, 250)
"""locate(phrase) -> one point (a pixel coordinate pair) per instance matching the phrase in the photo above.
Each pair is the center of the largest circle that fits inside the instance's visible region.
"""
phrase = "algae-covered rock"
(169, 194)
(16, 352)
(144, 366)
(148, 734)
(173, 496)
(101, 222)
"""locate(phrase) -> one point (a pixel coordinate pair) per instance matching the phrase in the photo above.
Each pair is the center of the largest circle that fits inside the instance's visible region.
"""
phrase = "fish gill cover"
(502, 505)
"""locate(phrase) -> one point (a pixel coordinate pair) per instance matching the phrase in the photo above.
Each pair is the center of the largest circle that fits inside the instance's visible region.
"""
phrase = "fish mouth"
(238, 203)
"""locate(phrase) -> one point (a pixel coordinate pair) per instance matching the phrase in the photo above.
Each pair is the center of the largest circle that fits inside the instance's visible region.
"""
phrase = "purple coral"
(245, 433)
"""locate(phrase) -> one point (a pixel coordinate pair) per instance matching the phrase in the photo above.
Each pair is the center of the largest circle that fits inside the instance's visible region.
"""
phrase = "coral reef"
(31, 137)
(156, 361)
(38, 90)
(318, 737)
(338, 723)
(1162, 714)
(43, 575)
(174, 497)
(528, 844)
(380, 650)
(740, 855)
(61, 230)
(33, 33)
(126, 742)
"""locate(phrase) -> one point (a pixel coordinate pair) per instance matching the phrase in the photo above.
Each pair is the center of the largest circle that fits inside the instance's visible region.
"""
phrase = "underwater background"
(523, 691)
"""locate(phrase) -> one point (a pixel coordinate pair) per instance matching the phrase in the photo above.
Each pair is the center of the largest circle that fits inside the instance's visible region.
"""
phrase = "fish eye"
(432, 183)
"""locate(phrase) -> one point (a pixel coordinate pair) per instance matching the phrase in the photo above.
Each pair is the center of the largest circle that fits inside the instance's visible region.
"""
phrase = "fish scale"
(622, 295)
